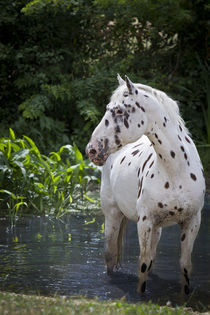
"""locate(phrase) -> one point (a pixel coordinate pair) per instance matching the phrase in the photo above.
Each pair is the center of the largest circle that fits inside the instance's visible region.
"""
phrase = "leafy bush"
(42, 184)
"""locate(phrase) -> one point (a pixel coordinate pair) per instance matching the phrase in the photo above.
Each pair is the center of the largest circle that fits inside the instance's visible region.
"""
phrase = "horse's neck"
(171, 143)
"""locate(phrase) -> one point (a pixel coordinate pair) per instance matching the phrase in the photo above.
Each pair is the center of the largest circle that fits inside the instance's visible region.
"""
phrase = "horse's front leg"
(149, 236)
(113, 233)
(189, 232)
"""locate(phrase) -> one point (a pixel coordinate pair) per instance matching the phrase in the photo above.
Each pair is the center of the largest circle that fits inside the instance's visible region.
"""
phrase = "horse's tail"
(120, 239)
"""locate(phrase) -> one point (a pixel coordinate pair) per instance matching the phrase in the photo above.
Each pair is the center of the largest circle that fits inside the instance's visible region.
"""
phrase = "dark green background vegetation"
(59, 60)
(58, 66)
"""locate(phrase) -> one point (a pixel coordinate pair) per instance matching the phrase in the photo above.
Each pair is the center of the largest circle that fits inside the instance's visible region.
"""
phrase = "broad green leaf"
(89, 199)
(56, 179)
(55, 189)
(78, 154)
(17, 206)
(8, 149)
(56, 155)
(33, 145)
(12, 134)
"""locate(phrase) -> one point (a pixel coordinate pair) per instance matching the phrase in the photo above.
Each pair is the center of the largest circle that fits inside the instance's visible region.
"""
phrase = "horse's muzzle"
(97, 154)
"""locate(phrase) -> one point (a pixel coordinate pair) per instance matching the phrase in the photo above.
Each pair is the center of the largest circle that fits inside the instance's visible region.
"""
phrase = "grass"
(11, 303)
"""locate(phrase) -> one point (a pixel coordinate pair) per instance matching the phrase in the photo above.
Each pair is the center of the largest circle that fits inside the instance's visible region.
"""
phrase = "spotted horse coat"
(151, 174)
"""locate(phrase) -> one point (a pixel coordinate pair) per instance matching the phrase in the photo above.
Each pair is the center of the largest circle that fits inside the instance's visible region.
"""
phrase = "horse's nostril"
(93, 152)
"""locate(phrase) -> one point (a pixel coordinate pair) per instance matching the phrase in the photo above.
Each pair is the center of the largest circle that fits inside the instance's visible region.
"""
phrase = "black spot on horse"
(122, 159)
(126, 123)
(187, 279)
(171, 213)
(187, 139)
(150, 265)
(151, 164)
(140, 187)
(182, 148)
(172, 154)
(160, 205)
(117, 140)
(183, 237)
(106, 122)
(135, 152)
(193, 176)
(138, 105)
(117, 129)
(166, 185)
(149, 157)
(144, 218)
(143, 267)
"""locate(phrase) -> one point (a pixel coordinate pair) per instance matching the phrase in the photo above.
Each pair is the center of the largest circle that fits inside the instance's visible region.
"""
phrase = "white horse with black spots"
(152, 174)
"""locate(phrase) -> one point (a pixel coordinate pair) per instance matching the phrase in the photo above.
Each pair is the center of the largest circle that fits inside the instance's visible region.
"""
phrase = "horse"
(151, 174)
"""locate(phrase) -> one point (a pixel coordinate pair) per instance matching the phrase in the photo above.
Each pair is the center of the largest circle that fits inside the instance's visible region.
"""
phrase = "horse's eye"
(125, 94)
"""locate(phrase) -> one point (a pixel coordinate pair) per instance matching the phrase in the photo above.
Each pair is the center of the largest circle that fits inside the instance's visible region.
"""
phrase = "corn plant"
(42, 184)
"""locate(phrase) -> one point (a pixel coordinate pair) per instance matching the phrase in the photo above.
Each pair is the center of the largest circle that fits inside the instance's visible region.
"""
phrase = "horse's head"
(124, 122)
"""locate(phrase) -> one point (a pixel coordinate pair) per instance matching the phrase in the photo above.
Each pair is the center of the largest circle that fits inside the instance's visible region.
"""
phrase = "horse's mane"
(168, 104)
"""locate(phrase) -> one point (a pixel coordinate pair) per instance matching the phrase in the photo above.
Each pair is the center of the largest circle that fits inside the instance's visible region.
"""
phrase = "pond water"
(64, 256)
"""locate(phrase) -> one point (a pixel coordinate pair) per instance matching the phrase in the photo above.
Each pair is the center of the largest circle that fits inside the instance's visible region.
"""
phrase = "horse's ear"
(130, 85)
(120, 80)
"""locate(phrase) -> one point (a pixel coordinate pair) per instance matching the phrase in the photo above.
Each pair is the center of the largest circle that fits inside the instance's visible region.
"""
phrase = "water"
(65, 257)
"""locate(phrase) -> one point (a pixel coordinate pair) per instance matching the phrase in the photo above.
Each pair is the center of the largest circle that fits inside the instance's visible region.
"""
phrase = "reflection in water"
(49, 256)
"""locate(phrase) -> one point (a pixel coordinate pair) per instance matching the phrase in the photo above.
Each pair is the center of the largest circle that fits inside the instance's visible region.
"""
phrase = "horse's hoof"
(143, 287)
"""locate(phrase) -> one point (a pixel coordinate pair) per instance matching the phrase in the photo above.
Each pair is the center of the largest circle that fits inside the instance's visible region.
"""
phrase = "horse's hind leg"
(149, 236)
(114, 228)
(190, 230)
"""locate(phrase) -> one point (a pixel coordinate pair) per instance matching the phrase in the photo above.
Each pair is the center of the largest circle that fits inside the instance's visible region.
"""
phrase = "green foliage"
(59, 60)
(42, 184)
